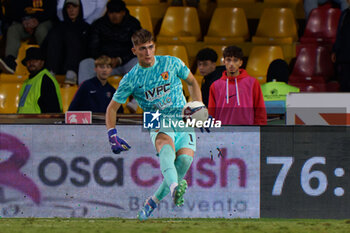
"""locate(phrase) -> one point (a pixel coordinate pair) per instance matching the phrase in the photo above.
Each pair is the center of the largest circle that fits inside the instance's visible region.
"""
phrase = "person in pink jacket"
(236, 98)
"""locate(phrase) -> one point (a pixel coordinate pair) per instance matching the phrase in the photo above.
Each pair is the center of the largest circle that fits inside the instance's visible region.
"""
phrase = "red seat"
(333, 86)
(309, 84)
(321, 26)
(313, 61)
(324, 65)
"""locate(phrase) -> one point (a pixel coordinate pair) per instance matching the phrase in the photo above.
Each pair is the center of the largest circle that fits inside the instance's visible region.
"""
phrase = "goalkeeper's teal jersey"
(155, 88)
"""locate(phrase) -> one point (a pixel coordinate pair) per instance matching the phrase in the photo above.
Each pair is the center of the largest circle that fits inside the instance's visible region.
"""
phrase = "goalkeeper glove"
(117, 144)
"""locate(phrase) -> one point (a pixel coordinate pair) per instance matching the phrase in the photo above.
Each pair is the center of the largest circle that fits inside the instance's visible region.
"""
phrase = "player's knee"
(184, 160)
(163, 139)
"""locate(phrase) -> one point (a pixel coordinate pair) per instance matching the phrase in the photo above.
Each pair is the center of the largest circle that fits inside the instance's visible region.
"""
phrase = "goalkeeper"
(155, 82)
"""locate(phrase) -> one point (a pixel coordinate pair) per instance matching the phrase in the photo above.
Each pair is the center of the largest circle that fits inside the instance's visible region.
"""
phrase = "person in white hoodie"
(92, 9)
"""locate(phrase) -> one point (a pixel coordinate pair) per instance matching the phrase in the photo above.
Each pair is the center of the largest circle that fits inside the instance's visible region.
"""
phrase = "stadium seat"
(321, 26)
(180, 24)
(282, 1)
(227, 26)
(141, 2)
(12, 78)
(309, 84)
(67, 94)
(276, 26)
(21, 69)
(231, 2)
(173, 50)
(9, 97)
(259, 60)
(114, 81)
(142, 13)
(313, 60)
(333, 86)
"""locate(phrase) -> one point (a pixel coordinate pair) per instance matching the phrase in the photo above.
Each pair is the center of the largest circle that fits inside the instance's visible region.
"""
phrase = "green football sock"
(182, 164)
(167, 166)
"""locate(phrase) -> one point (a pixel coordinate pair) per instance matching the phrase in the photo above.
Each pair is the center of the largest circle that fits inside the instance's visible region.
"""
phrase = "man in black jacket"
(29, 18)
(206, 64)
(67, 42)
(111, 35)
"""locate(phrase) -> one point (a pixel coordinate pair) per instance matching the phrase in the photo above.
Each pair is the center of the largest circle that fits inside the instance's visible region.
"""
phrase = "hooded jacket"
(79, 26)
(237, 100)
(113, 40)
(92, 9)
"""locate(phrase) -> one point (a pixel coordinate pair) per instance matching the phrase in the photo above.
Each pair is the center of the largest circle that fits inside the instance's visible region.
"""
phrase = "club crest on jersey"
(165, 75)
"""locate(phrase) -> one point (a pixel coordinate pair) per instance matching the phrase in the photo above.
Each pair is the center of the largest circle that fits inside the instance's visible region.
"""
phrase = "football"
(195, 110)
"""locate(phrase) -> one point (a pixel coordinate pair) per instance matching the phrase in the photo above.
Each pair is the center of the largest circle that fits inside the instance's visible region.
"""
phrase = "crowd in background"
(74, 34)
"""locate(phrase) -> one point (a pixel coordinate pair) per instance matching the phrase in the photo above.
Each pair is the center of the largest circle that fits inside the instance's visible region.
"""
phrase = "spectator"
(29, 18)
(206, 63)
(95, 94)
(276, 88)
(92, 10)
(309, 5)
(111, 36)
(236, 98)
(67, 42)
(341, 50)
(40, 93)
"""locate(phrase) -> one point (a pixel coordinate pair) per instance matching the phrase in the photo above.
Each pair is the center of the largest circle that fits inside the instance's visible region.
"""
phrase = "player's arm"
(193, 88)
(111, 114)
(117, 144)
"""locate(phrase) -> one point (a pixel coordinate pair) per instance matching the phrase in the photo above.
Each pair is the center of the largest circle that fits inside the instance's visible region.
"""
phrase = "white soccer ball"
(195, 110)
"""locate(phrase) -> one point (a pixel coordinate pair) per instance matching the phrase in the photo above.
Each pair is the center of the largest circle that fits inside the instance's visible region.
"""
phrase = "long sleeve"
(79, 100)
(211, 102)
(48, 101)
(260, 117)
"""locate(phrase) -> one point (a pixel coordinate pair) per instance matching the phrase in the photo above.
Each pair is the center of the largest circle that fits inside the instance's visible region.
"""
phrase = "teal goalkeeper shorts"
(182, 138)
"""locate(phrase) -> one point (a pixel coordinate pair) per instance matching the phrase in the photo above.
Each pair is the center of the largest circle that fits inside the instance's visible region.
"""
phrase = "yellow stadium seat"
(173, 50)
(67, 94)
(259, 60)
(9, 97)
(21, 69)
(12, 78)
(283, 1)
(199, 79)
(142, 13)
(276, 26)
(227, 26)
(141, 2)
(178, 51)
(180, 24)
(114, 81)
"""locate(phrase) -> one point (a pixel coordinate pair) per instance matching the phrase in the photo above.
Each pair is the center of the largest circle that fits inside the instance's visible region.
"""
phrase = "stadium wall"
(273, 171)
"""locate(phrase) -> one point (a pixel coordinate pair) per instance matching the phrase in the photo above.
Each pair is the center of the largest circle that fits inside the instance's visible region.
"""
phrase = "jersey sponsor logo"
(165, 75)
(157, 92)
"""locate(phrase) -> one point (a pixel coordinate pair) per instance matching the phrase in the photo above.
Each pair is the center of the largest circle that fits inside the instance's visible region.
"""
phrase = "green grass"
(115, 225)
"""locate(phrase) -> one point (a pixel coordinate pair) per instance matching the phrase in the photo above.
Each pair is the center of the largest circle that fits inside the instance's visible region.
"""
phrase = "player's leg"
(165, 147)
(184, 158)
(185, 145)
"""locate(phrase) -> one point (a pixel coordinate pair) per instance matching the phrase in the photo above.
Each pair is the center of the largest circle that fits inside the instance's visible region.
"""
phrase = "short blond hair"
(103, 60)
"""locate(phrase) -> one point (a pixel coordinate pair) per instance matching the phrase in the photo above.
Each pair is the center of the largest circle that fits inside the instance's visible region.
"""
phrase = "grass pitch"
(115, 225)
